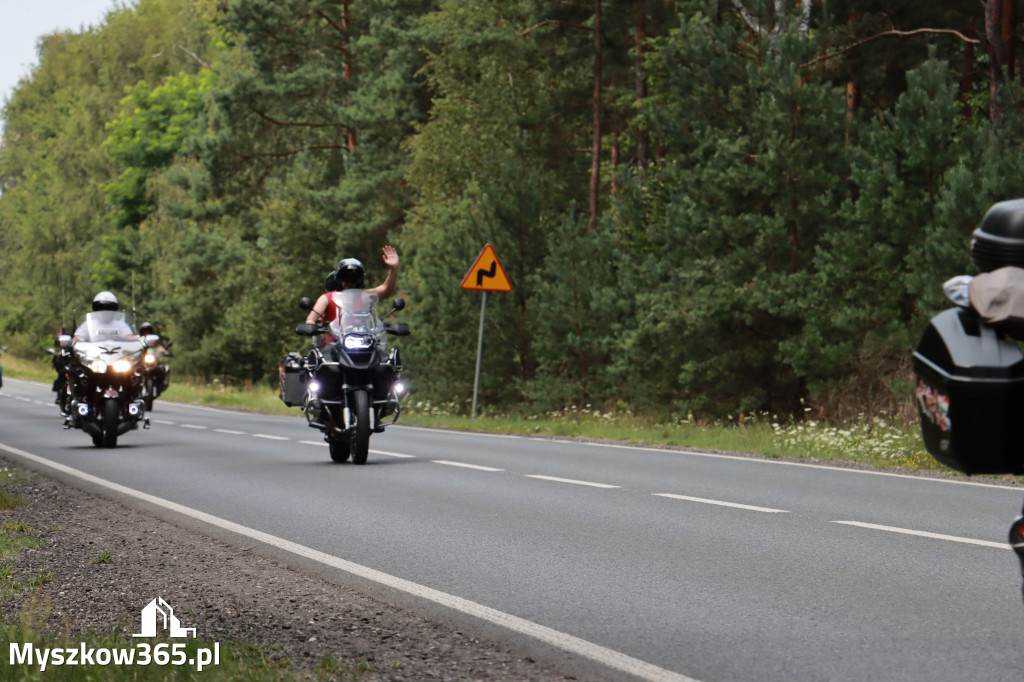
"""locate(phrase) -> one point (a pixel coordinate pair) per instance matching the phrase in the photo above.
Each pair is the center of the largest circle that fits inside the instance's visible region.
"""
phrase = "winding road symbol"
(486, 273)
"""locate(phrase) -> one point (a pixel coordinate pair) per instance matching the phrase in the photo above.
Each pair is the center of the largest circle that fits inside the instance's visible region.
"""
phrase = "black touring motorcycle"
(349, 385)
(969, 363)
(104, 383)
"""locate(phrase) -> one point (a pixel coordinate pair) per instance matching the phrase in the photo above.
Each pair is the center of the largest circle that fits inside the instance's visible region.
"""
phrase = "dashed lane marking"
(926, 534)
(722, 503)
(392, 454)
(464, 465)
(572, 481)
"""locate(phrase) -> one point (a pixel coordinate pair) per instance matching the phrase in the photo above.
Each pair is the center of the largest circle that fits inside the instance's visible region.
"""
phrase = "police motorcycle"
(105, 379)
(350, 385)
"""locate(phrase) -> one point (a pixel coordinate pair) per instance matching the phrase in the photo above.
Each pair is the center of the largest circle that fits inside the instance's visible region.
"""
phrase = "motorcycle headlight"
(358, 342)
(98, 366)
(150, 359)
(121, 366)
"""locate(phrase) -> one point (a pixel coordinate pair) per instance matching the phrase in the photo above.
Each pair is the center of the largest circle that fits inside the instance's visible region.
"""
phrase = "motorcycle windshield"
(107, 325)
(358, 313)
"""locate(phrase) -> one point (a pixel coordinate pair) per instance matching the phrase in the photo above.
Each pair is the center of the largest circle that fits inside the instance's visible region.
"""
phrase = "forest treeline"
(706, 206)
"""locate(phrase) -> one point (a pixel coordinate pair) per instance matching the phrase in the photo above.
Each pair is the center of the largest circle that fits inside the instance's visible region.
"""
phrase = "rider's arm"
(319, 308)
(391, 260)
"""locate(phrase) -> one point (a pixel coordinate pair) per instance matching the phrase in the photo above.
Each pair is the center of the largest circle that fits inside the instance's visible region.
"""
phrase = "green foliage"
(147, 135)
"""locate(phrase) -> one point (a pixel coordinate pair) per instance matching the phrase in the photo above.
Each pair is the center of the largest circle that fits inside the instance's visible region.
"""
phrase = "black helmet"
(999, 240)
(146, 328)
(104, 301)
(349, 271)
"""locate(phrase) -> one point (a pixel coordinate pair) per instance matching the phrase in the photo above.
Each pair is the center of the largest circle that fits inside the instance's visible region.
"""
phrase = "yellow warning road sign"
(486, 274)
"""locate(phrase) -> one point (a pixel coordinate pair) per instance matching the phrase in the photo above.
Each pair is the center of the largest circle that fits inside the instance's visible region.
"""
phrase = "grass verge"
(26, 642)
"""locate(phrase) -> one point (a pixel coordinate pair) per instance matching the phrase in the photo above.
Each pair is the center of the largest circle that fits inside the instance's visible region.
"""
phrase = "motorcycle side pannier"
(293, 379)
(970, 394)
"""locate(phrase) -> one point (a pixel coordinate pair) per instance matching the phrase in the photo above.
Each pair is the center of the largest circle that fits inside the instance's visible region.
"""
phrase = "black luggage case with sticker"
(970, 394)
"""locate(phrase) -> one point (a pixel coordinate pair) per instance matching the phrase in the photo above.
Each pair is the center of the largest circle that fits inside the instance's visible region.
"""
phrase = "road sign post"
(479, 351)
(486, 274)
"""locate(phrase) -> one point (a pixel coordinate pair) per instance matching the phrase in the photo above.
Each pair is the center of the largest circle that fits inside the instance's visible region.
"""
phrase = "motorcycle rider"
(160, 352)
(350, 274)
(105, 304)
(60, 365)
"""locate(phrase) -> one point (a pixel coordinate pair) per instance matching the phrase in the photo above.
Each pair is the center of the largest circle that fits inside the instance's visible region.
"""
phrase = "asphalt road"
(708, 567)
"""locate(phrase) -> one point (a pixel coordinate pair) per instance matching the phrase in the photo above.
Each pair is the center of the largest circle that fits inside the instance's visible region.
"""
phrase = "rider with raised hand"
(350, 274)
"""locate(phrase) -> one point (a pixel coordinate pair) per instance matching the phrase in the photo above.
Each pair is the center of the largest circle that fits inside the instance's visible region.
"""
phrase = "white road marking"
(313, 442)
(165, 422)
(230, 432)
(392, 454)
(572, 481)
(194, 426)
(926, 534)
(669, 450)
(269, 437)
(574, 645)
(464, 465)
(722, 503)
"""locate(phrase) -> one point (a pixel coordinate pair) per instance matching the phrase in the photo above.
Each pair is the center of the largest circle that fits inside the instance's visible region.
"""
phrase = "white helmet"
(104, 301)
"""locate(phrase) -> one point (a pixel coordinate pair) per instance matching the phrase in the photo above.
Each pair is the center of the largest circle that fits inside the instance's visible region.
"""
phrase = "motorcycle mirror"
(305, 303)
(396, 305)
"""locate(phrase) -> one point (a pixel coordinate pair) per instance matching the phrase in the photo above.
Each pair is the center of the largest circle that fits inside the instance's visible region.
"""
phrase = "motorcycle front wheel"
(111, 415)
(340, 449)
(361, 438)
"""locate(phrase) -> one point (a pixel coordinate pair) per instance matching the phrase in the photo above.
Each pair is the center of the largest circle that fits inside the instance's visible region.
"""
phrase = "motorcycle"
(105, 380)
(350, 384)
(62, 365)
(156, 374)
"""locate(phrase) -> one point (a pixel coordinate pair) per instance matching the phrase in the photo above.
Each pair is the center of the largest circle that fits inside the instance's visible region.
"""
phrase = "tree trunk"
(1008, 30)
(640, 82)
(595, 150)
(351, 133)
(996, 12)
(967, 81)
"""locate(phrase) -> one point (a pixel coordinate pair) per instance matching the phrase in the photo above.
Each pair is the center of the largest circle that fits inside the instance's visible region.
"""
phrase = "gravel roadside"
(229, 593)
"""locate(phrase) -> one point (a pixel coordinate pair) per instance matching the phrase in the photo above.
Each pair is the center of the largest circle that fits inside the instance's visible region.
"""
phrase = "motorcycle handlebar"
(311, 329)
